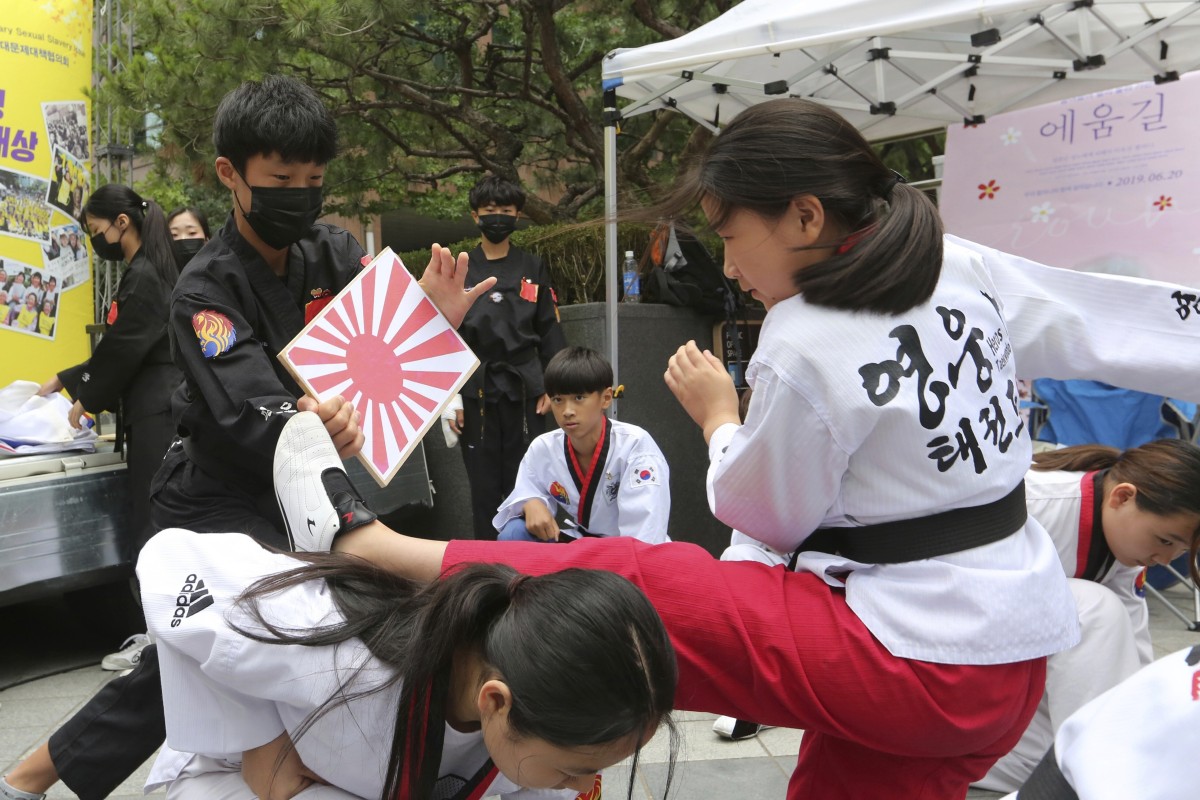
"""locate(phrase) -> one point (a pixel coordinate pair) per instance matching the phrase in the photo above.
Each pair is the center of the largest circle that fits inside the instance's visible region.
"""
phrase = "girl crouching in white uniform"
(469, 687)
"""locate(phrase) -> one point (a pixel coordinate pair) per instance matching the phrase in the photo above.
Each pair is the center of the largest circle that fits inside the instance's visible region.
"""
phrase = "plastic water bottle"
(633, 286)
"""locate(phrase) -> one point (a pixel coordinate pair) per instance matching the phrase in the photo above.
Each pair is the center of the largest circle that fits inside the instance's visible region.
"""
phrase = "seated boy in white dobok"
(599, 476)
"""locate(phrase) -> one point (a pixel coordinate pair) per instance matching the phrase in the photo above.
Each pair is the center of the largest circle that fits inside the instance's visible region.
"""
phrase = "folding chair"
(1088, 412)
(1174, 572)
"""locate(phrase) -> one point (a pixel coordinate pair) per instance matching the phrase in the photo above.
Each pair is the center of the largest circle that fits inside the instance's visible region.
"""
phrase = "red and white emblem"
(383, 346)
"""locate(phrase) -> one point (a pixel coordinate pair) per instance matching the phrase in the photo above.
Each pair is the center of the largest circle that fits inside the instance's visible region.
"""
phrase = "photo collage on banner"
(45, 168)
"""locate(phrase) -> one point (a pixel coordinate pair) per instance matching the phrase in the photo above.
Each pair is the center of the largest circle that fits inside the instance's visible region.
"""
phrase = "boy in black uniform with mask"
(238, 302)
(241, 300)
(514, 332)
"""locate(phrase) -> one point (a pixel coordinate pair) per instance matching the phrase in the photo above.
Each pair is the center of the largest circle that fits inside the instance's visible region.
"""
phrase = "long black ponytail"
(112, 200)
(773, 152)
(584, 654)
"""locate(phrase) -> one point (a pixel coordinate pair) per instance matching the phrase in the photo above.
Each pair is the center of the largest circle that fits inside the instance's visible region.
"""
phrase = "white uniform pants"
(1105, 656)
(210, 779)
(743, 548)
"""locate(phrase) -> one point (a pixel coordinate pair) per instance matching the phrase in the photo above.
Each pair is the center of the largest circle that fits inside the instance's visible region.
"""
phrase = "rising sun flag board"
(384, 346)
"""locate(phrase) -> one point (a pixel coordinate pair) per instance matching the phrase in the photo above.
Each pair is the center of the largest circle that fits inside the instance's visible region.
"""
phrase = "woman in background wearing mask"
(189, 233)
(131, 367)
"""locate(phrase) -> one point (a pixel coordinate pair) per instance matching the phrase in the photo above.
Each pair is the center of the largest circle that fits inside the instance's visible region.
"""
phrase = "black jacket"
(131, 365)
(514, 328)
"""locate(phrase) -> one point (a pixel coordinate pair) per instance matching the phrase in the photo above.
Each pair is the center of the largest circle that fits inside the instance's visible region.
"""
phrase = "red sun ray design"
(383, 345)
(442, 344)
(438, 380)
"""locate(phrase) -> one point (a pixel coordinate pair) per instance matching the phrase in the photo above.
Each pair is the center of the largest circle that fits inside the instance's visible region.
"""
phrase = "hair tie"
(145, 205)
(515, 584)
(896, 178)
(854, 238)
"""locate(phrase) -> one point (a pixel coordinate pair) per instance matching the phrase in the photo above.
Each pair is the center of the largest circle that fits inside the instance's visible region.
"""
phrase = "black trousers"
(185, 496)
(146, 443)
(122, 726)
(495, 436)
(114, 734)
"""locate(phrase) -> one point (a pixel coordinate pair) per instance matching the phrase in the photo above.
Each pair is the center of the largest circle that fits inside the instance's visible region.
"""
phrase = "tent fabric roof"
(897, 67)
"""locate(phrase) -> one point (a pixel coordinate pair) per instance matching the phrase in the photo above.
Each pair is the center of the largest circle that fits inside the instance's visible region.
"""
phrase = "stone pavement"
(708, 768)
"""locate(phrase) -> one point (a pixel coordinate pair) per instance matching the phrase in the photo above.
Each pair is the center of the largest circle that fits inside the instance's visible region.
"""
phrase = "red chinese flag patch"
(529, 290)
(314, 306)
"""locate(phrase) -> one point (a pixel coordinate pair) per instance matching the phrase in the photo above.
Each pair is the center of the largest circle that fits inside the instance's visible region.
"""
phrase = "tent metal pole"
(611, 262)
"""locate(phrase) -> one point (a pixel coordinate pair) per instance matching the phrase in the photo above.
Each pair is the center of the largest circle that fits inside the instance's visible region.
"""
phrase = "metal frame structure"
(112, 33)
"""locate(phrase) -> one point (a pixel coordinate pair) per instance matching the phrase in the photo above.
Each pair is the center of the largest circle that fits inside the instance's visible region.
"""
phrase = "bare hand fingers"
(713, 361)
(353, 448)
(480, 288)
(446, 261)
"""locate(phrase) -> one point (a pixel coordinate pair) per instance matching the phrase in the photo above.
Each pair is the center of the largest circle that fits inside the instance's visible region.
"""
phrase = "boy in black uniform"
(239, 301)
(514, 331)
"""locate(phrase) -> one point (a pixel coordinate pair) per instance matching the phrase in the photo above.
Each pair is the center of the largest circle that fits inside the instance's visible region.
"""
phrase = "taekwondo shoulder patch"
(595, 793)
(644, 474)
(215, 332)
(1139, 584)
(559, 493)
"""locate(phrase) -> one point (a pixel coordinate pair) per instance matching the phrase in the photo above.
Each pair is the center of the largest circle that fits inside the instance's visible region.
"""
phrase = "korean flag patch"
(644, 475)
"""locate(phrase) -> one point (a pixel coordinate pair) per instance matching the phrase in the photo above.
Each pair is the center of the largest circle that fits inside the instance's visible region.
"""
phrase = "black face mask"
(109, 251)
(497, 227)
(281, 217)
(185, 249)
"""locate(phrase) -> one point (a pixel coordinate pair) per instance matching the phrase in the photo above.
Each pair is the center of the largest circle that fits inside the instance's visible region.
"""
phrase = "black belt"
(1047, 782)
(924, 537)
(513, 360)
(218, 468)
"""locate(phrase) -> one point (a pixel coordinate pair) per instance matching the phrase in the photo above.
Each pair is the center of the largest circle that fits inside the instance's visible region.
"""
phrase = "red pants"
(783, 648)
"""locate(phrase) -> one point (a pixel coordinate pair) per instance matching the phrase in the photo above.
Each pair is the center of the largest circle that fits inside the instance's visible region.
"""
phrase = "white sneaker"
(737, 729)
(7, 792)
(129, 654)
(315, 497)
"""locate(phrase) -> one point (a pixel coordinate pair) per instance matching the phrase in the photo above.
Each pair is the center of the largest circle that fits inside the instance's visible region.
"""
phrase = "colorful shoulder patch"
(112, 313)
(1139, 584)
(595, 793)
(645, 474)
(559, 493)
(215, 332)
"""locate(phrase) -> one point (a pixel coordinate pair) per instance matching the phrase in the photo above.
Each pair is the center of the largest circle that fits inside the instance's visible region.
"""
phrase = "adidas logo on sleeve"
(193, 598)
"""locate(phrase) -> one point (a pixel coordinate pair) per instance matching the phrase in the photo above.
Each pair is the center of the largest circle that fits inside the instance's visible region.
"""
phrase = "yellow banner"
(45, 168)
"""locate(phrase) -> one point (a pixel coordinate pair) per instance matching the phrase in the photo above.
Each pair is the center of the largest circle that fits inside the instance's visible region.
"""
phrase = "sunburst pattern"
(383, 346)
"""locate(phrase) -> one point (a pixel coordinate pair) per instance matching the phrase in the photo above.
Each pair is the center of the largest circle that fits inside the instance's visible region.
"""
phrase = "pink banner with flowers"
(1104, 183)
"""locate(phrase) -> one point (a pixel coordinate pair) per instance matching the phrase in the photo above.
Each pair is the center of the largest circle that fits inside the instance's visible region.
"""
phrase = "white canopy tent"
(893, 67)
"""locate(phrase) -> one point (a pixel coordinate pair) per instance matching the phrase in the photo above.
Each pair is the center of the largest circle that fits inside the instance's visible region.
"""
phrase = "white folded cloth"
(448, 414)
(32, 424)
